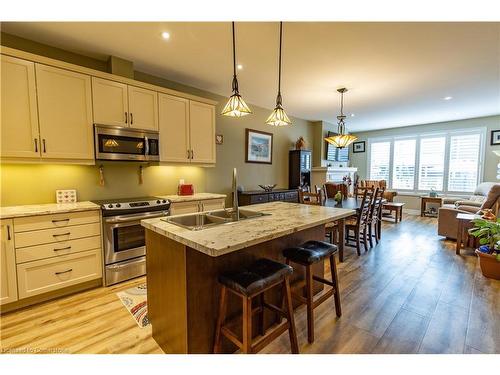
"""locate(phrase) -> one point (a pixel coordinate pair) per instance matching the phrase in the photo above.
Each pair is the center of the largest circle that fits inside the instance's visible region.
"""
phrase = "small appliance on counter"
(123, 236)
(185, 189)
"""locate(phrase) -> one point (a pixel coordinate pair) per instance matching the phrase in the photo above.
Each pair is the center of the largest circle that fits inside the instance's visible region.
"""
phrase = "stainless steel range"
(124, 237)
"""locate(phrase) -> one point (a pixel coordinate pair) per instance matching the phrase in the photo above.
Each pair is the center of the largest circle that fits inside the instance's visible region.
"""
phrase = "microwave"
(119, 143)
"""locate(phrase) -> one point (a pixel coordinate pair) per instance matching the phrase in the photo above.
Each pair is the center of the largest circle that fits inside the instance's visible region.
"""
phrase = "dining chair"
(331, 189)
(317, 199)
(375, 216)
(358, 224)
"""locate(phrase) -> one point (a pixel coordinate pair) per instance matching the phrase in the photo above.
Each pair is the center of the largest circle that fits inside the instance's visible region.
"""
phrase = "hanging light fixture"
(341, 139)
(236, 106)
(278, 117)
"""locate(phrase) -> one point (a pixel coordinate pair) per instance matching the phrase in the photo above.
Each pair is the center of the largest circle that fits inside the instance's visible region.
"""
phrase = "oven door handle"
(127, 218)
(146, 146)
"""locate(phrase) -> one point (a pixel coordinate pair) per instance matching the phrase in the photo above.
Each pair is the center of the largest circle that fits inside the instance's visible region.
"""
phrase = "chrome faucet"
(236, 210)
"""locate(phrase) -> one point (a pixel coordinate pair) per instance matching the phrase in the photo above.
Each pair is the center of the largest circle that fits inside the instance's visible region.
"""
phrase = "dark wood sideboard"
(246, 198)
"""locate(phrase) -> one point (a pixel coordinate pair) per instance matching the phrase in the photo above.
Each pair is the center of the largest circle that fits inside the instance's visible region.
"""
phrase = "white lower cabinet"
(45, 253)
(46, 275)
(180, 208)
(8, 282)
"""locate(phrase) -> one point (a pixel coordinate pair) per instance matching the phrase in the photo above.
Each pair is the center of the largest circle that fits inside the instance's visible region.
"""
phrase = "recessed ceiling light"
(240, 66)
(165, 35)
(448, 98)
(352, 115)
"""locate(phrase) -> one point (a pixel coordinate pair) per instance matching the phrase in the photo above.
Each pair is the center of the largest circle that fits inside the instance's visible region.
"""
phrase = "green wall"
(32, 183)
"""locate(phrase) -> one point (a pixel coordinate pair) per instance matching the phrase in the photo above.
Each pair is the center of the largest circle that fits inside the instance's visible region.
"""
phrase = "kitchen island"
(183, 266)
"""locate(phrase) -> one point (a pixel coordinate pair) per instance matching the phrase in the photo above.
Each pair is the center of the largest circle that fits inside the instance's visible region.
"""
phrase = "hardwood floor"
(409, 294)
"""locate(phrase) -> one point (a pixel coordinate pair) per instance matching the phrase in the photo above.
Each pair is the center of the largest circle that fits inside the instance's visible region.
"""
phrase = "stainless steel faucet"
(236, 210)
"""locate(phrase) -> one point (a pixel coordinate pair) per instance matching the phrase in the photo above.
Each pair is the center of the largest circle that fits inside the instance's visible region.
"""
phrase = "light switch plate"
(66, 196)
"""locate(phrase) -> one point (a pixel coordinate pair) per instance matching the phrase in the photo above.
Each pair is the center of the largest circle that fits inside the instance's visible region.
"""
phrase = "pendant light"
(341, 139)
(236, 106)
(278, 117)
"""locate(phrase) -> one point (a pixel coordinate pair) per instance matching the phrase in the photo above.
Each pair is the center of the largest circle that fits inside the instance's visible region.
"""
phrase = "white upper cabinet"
(110, 100)
(174, 128)
(19, 113)
(65, 113)
(8, 282)
(202, 132)
(143, 108)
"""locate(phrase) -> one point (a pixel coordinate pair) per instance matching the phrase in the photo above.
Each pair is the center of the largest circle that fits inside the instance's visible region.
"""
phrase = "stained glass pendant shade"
(236, 106)
(278, 117)
(341, 139)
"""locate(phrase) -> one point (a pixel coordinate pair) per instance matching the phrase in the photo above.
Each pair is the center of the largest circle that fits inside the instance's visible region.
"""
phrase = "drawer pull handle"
(62, 234)
(63, 248)
(58, 273)
(58, 220)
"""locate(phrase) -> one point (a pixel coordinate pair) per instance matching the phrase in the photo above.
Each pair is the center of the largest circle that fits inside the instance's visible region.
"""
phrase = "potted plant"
(488, 232)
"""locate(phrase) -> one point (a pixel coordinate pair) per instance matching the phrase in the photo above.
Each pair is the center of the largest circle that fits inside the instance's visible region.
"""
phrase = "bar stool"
(248, 284)
(308, 254)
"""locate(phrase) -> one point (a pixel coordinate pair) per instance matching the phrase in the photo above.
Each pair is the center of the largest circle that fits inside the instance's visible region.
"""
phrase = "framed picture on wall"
(495, 137)
(258, 147)
(358, 147)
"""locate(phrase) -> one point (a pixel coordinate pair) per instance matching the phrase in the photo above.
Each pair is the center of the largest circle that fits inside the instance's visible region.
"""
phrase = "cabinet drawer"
(31, 253)
(292, 196)
(24, 224)
(262, 198)
(60, 235)
(180, 208)
(46, 275)
(213, 204)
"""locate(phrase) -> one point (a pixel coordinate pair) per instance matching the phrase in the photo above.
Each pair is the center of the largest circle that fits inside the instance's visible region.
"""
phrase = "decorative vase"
(300, 144)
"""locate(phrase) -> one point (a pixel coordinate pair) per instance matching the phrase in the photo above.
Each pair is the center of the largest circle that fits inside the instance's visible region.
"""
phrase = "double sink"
(210, 219)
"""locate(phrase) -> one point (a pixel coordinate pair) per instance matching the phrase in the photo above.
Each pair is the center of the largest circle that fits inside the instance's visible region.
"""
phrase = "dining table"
(351, 203)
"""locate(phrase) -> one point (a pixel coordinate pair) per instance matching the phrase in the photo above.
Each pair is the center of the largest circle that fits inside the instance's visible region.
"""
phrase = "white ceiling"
(396, 73)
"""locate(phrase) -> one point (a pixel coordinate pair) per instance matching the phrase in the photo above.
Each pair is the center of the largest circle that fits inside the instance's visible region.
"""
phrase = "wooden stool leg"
(220, 319)
(261, 314)
(335, 280)
(310, 306)
(291, 321)
(247, 325)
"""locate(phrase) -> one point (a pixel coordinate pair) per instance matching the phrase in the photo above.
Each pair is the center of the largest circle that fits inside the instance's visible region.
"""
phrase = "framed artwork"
(219, 139)
(358, 147)
(258, 147)
(495, 137)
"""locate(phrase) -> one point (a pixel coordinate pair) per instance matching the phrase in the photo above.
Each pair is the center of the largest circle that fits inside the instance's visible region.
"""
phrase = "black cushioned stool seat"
(307, 255)
(310, 252)
(251, 283)
(257, 277)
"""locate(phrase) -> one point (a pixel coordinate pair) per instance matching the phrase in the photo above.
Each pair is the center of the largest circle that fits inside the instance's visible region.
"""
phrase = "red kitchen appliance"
(185, 189)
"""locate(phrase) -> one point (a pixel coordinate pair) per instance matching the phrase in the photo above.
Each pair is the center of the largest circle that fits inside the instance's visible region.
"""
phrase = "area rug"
(135, 300)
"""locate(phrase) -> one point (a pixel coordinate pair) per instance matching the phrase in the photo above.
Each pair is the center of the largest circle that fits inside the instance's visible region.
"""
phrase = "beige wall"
(26, 184)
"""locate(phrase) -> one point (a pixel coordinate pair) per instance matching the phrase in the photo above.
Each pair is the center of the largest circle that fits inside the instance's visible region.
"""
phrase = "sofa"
(486, 196)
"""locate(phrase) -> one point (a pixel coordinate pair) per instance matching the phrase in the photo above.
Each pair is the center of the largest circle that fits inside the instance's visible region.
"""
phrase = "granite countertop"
(45, 209)
(195, 197)
(285, 218)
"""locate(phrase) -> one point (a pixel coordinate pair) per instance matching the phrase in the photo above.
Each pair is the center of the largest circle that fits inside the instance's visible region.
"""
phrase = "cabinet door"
(180, 208)
(19, 119)
(174, 128)
(202, 132)
(65, 113)
(110, 102)
(8, 283)
(143, 108)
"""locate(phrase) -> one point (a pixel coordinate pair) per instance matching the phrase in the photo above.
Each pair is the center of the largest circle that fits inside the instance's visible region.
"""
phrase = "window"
(431, 165)
(448, 161)
(403, 172)
(380, 155)
(464, 162)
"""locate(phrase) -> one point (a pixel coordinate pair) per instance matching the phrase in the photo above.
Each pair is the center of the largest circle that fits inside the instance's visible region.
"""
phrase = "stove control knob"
(158, 201)
(118, 205)
(110, 206)
(164, 201)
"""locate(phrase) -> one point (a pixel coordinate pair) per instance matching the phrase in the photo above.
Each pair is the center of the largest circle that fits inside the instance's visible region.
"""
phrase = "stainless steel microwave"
(119, 143)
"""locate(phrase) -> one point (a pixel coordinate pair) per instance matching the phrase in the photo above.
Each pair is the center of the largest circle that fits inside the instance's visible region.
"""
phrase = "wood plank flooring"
(409, 294)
